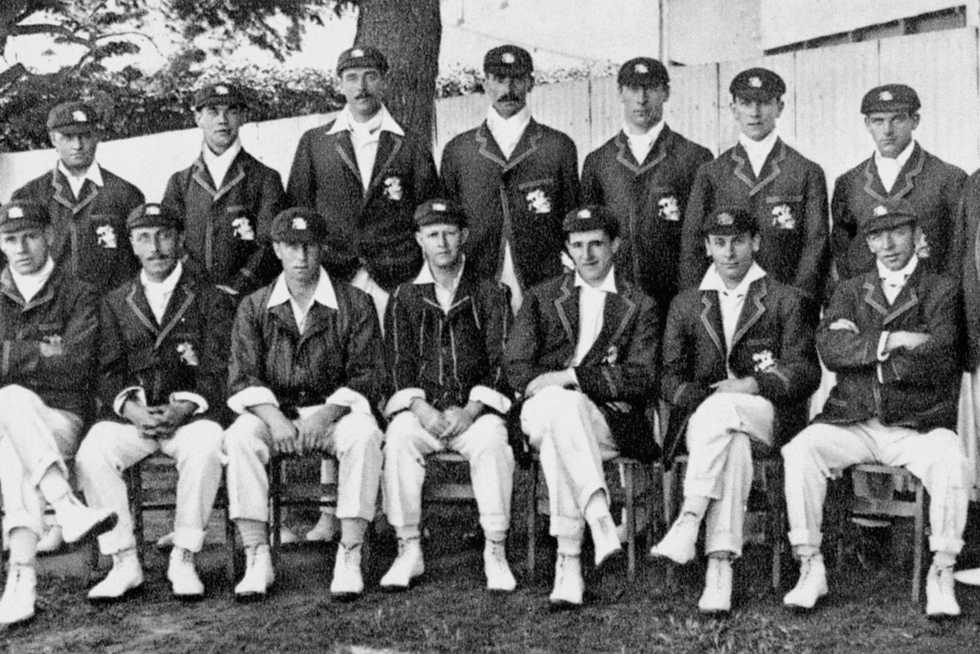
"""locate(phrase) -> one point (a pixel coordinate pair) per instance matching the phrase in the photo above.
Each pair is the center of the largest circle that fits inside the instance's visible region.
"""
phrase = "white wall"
(704, 31)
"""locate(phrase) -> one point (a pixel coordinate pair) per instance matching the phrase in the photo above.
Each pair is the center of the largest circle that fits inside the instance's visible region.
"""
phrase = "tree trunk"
(408, 32)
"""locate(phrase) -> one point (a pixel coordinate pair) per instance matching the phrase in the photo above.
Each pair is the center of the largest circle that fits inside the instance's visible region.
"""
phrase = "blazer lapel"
(181, 300)
(909, 171)
(283, 314)
(874, 296)
(752, 310)
(136, 300)
(711, 320)
(566, 305)
(203, 178)
(234, 177)
(388, 147)
(526, 146)
(771, 168)
(743, 169)
(64, 196)
(906, 300)
(345, 150)
(488, 148)
(617, 312)
(317, 321)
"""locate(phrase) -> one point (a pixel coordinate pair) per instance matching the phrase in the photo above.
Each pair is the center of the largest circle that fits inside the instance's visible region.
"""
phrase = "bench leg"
(531, 517)
(920, 519)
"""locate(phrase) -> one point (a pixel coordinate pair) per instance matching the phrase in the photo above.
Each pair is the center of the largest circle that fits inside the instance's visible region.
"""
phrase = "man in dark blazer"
(366, 176)
(892, 336)
(49, 328)
(583, 355)
(899, 169)
(515, 178)
(738, 367)
(88, 204)
(164, 353)
(227, 198)
(784, 191)
(644, 174)
(445, 341)
(304, 376)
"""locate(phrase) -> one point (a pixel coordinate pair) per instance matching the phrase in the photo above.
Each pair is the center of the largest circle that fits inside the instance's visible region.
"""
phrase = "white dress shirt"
(365, 137)
(507, 132)
(591, 304)
(218, 164)
(893, 281)
(730, 301)
(158, 294)
(640, 144)
(444, 295)
(324, 294)
(30, 285)
(888, 169)
(93, 173)
(758, 151)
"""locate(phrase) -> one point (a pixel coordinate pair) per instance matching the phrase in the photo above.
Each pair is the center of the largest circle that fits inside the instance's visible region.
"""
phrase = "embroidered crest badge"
(612, 354)
(507, 58)
(187, 354)
(106, 236)
(243, 228)
(763, 361)
(880, 210)
(299, 223)
(79, 116)
(641, 69)
(668, 208)
(755, 82)
(393, 188)
(886, 96)
(725, 219)
(356, 52)
(782, 217)
(15, 212)
(922, 247)
(538, 201)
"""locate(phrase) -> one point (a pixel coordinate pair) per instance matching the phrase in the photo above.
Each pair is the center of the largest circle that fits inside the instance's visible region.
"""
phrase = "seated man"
(164, 351)
(892, 336)
(583, 352)
(445, 335)
(49, 327)
(306, 359)
(739, 366)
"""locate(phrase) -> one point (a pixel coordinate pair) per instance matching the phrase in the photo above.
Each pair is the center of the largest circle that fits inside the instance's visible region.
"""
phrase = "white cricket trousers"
(355, 442)
(572, 439)
(111, 447)
(822, 450)
(719, 462)
(33, 437)
(484, 445)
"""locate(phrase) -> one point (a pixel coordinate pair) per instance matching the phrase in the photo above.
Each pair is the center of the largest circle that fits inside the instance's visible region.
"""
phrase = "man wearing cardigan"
(583, 356)
(892, 336)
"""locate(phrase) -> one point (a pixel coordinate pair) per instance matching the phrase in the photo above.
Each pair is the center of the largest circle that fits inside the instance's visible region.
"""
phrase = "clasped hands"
(448, 424)
(305, 435)
(158, 422)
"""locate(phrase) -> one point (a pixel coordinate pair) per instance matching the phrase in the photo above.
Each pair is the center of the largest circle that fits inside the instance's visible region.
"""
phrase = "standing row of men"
(304, 349)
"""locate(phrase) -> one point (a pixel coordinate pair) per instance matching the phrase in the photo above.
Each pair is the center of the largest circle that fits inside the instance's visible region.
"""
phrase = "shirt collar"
(168, 284)
(93, 174)
(36, 279)
(608, 284)
(759, 148)
(897, 277)
(516, 123)
(345, 122)
(425, 275)
(898, 162)
(650, 136)
(225, 158)
(324, 293)
(712, 281)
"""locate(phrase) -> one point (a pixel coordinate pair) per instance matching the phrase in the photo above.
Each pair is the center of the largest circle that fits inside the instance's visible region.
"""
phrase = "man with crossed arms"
(445, 334)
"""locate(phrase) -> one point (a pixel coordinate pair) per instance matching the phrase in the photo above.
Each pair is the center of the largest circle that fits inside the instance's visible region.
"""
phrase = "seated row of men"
(306, 374)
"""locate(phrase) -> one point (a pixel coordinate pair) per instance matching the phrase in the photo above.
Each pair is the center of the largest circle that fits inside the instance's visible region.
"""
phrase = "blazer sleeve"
(173, 196)
(678, 385)
(632, 376)
(521, 355)
(427, 180)
(114, 374)
(844, 230)
(811, 269)
(402, 348)
(496, 331)
(842, 350)
(691, 267)
(796, 374)
(245, 359)
(952, 194)
(936, 361)
(301, 186)
(568, 173)
(365, 349)
(449, 173)
(216, 342)
(591, 185)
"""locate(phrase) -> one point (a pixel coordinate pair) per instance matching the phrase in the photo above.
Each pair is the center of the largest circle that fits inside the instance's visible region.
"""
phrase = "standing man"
(88, 204)
(892, 336)
(643, 175)
(583, 354)
(49, 327)
(365, 175)
(784, 191)
(898, 169)
(227, 198)
(515, 179)
(445, 337)
(164, 352)
(739, 367)
(306, 358)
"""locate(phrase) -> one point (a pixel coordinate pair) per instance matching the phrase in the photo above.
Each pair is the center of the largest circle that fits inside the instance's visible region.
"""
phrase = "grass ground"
(868, 610)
